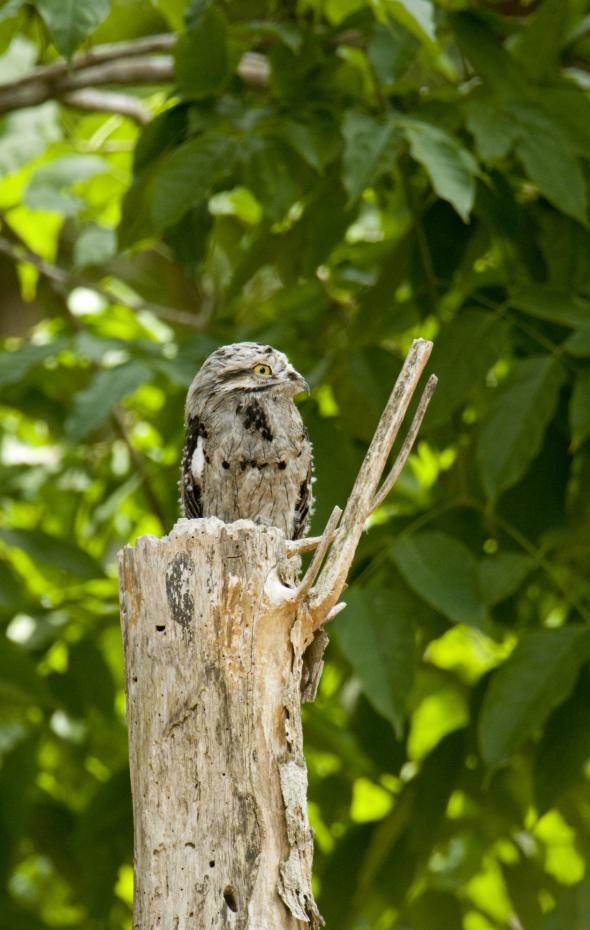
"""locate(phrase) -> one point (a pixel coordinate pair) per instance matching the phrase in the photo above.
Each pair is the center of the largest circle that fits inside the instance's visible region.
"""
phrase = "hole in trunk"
(230, 898)
(160, 627)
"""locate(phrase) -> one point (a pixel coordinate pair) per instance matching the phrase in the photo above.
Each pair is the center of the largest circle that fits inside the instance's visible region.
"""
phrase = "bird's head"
(245, 367)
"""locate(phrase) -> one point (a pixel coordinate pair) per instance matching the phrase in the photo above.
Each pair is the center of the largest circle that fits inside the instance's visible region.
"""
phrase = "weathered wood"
(213, 667)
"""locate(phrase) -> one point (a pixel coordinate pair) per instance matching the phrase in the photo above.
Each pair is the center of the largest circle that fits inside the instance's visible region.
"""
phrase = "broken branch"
(323, 597)
(408, 443)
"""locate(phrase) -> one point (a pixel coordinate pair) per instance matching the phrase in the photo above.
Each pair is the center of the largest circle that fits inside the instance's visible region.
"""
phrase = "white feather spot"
(198, 459)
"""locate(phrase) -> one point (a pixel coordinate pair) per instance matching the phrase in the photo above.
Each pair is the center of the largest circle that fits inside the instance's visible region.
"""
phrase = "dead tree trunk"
(218, 656)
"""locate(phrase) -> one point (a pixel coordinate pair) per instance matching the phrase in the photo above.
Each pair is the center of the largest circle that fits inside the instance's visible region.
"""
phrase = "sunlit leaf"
(537, 677)
(94, 404)
(49, 186)
(51, 551)
(94, 246)
(15, 365)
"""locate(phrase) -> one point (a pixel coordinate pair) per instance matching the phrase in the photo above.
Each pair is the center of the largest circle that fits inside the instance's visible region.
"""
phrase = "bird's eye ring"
(261, 369)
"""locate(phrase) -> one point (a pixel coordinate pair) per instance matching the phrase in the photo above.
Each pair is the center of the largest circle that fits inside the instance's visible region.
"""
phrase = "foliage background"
(409, 168)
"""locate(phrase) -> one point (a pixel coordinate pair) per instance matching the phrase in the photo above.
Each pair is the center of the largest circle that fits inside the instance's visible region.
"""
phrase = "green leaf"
(579, 411)
(70, 21)
(103, 839)
(188, 175)
(12, 595)
(15, 365)
(188, 238)
(17, 777)
(416, 15)
(201, 57)
(519, 415)
(391, 51)
(564, 748)
(557, 173)
(26, 134)
(537, 677)
(443, 572)
(19, 681)
(54, 552)
(487, 55)
(451, 168)
(502, 574)
(317, 141)
(371, 147)
(94, 246)
(538, 46)
(495, 131)
(551, 303)
(272, 171)
(578, 344)
(88, 681)
(464, 352)
(48, 186)
(93, 405)
(376, 634)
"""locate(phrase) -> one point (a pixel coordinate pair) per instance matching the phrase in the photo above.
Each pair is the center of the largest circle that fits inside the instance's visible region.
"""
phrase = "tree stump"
(213, 661)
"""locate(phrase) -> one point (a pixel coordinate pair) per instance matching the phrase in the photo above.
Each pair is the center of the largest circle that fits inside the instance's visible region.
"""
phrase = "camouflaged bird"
(247, 454)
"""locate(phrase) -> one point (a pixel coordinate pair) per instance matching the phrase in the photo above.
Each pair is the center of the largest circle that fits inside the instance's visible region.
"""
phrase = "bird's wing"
(190, 487)
(303, 506)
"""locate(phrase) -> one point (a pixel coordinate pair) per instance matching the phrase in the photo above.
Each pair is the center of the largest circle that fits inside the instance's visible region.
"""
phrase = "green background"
(410, 168)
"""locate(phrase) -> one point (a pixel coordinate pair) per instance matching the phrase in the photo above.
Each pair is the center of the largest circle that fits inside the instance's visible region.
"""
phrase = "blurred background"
(333, 177)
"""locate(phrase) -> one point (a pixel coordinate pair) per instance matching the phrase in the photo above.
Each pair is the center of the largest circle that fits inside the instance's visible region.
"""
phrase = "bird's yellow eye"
(261, 369)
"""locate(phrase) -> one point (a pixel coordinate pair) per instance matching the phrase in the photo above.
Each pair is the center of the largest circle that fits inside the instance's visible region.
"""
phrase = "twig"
(117, 63)
(150, 495)
(323, 597)
(108, 102)
(408, 443)
(63, 281)
(299, 546)
(316, 563)
(163, 42)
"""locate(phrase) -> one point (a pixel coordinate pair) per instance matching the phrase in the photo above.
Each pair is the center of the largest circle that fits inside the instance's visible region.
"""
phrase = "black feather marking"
(255, 419)
(302, 507)
(190, 490)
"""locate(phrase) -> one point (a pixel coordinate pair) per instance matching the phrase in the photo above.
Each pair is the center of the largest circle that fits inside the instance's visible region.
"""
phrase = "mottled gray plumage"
(247, 454)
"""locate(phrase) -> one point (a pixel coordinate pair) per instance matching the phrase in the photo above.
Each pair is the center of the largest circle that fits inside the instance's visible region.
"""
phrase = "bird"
(247, 454)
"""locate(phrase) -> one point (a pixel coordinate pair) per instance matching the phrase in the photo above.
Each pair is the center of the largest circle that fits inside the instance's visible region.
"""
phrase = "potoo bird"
(247, 454)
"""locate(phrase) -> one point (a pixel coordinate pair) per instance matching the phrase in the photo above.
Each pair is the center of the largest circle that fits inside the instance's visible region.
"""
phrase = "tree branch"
(108, 102)
(115, 63)
(62, 281)
(323, 597)
(324, 544)
(407, 444)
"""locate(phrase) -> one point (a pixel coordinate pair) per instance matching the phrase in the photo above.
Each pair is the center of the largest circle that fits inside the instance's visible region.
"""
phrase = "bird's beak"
(300, 384)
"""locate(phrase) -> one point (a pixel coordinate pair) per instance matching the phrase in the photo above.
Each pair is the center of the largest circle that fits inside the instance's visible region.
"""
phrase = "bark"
(219, 654)
(213, 660)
